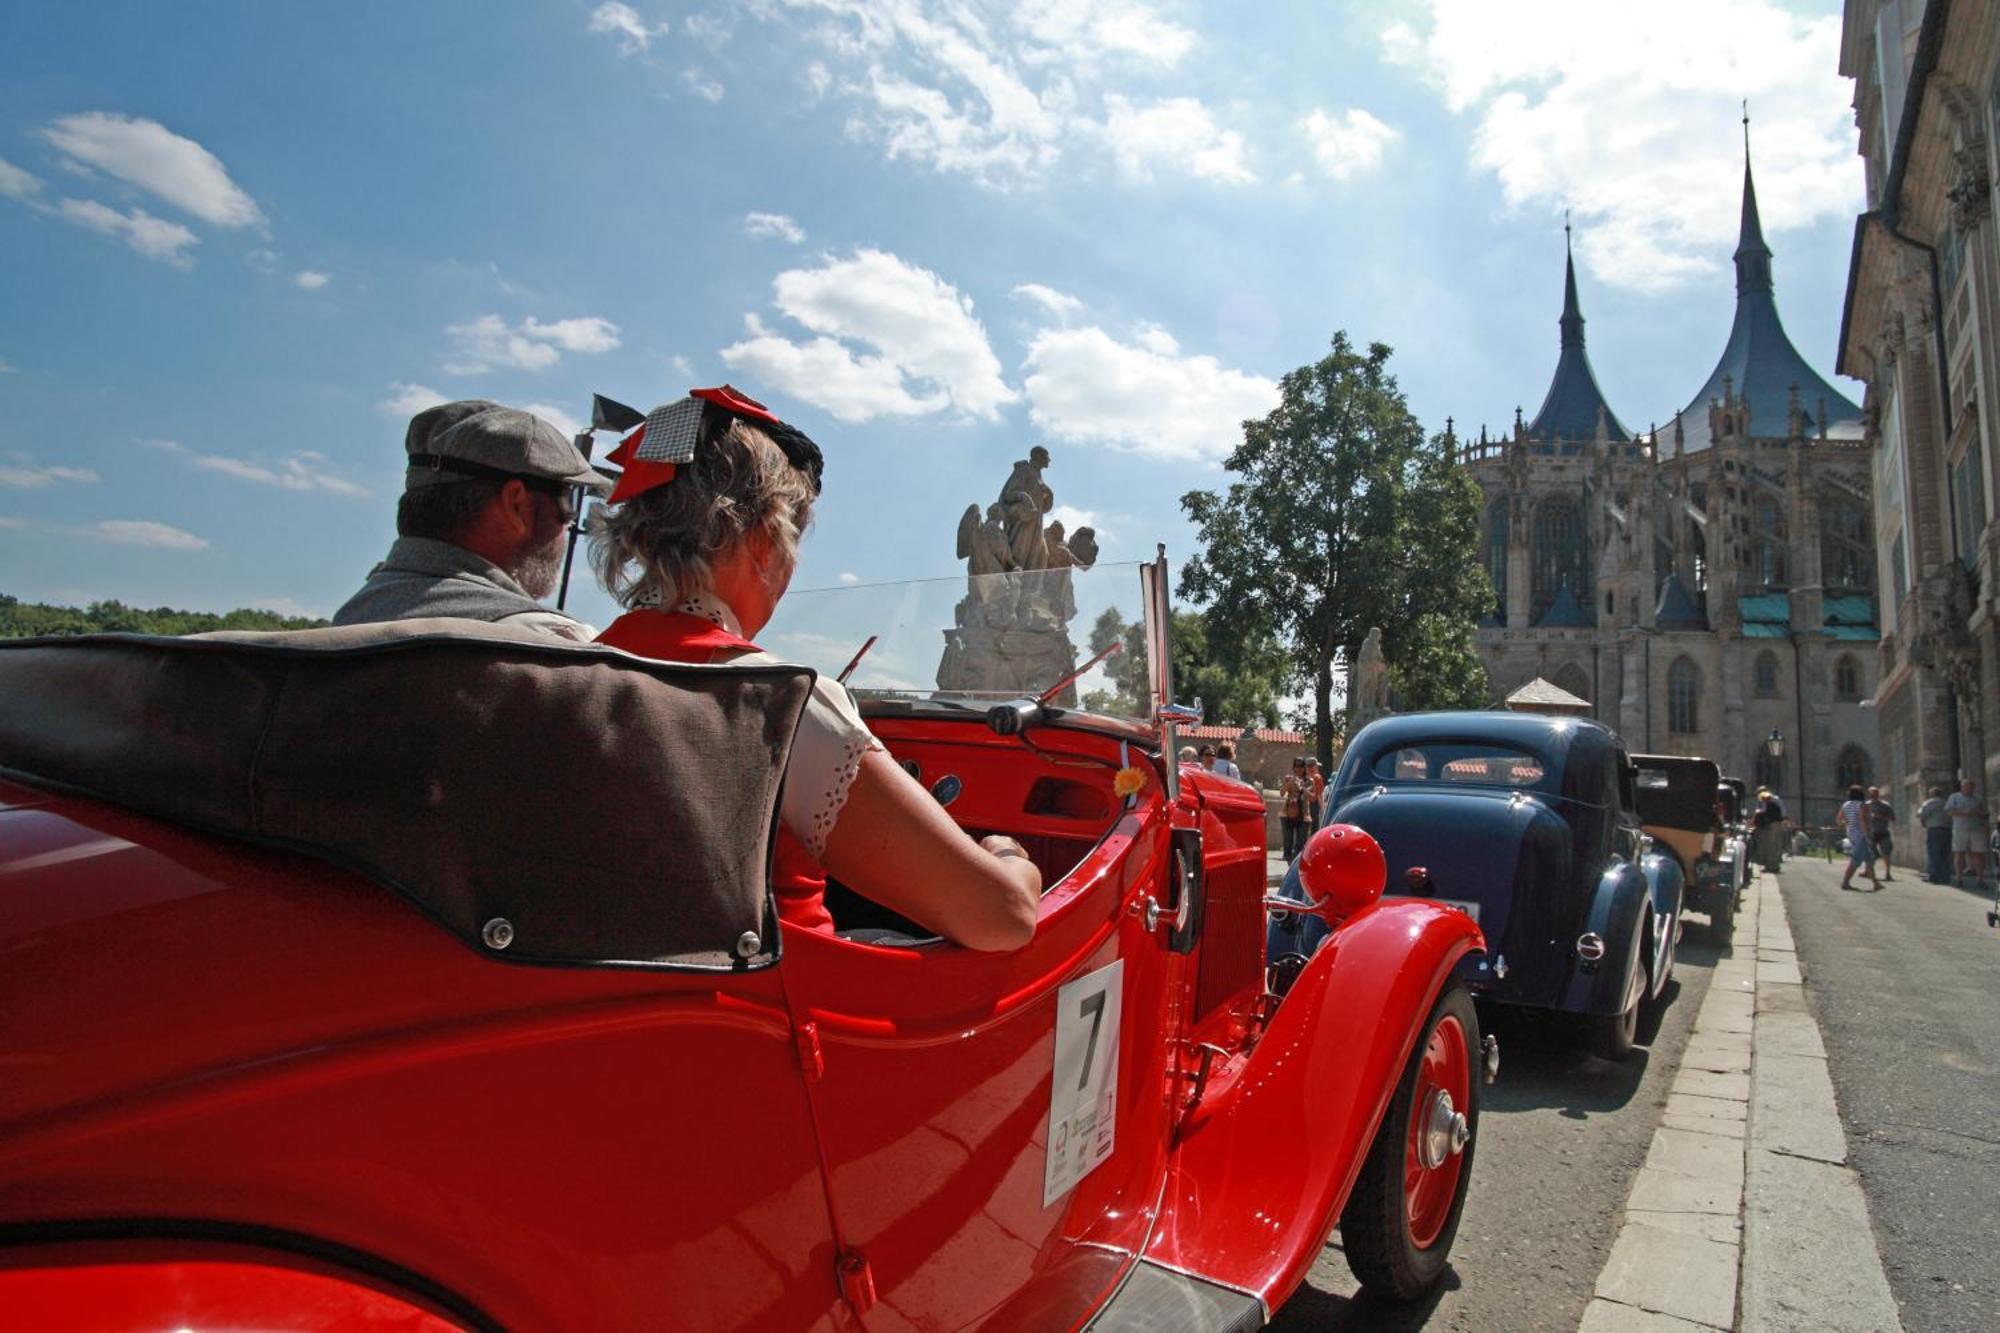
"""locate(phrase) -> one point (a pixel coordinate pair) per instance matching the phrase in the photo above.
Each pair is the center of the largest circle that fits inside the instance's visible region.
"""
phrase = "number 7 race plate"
(1083, 1099)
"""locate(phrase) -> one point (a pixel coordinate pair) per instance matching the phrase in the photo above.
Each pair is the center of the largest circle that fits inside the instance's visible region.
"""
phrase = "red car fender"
(1266, 1160)
(126, 1286)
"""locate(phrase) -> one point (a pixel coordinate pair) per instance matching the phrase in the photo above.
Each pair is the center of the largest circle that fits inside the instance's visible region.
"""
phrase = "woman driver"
(698, 543)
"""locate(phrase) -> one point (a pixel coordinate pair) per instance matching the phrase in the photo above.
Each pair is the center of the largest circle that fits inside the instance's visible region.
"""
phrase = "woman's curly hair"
(737, 481)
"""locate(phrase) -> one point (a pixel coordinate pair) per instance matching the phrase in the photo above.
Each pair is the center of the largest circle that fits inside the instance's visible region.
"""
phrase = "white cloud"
(1627, 114)
(925, 350)
(1347, 143)
(16, 183)
(711, 30)
(144, 532)
(701, 85)
(152, 237)
(20, 473)
(488, 341)
(849, 579)
(304, 470)
(1177, 133)
(634, 34)
(1085, 386)
(989, 89)
(1060, 304)
(774, 225)
(406, 400)
(681, 366)
(309, 280)
(556, 417)
(148, 155)
(1073, 519)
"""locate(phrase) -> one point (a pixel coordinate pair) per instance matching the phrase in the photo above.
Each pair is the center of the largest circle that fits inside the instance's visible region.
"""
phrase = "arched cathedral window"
(1846, 679)
(1574, 679)
(1767, 675)
(1683, 697)
(1771, 543)
(1497, 533)
(1561, 560)
(1852, 769)
(1847, 545)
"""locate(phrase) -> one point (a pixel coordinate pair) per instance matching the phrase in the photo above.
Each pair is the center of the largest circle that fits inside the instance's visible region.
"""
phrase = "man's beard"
(537, 570)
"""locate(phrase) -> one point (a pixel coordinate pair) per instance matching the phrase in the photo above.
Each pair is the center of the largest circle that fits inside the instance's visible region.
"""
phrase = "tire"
(1401, 1218)
(1722, 920)
(1613, 1036)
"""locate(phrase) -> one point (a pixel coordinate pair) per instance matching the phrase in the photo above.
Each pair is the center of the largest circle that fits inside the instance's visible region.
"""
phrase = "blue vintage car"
(1530, 825)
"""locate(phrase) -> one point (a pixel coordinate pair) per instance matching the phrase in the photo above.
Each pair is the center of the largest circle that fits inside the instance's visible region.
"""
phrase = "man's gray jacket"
(422, 578)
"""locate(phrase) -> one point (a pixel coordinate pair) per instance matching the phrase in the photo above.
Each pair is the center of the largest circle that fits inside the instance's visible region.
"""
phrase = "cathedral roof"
(1759, 363)
(1571, 408)
(1677, 607)
(1565, 612)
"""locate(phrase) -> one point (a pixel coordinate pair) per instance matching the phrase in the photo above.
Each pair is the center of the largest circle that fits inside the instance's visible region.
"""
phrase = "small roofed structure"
(1540, 696)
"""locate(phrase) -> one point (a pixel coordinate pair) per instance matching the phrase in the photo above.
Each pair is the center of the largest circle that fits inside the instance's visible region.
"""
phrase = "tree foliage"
(20, 619)
(1342, 517)
(1243, 690)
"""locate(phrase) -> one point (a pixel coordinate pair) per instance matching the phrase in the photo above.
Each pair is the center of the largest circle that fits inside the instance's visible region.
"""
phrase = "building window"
(1683, 697)
(1560, 558)
(1767, 675)
(1496, 553)
(1771, 545)
(1847, 544)
(1574, 679)
(1968, 507)
(1846, 679)
(1852, 769)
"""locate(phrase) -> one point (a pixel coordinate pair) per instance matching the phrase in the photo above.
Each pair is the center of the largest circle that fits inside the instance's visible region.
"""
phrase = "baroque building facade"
(1708, 586)
(1921, 327)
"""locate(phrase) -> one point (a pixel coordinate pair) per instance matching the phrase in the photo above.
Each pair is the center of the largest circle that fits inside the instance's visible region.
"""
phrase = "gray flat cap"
(455, 442)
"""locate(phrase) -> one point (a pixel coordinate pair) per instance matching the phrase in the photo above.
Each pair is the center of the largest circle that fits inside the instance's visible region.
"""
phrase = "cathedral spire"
(1572, 315)
(1753, 257)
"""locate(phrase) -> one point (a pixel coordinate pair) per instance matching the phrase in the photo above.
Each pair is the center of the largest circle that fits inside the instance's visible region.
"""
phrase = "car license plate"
(1470, 909)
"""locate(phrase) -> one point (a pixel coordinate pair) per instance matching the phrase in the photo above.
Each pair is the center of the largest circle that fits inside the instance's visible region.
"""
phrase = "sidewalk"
(1746, 1214)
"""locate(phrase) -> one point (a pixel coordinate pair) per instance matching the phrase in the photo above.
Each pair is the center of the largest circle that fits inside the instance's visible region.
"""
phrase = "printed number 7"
(1091, 1007)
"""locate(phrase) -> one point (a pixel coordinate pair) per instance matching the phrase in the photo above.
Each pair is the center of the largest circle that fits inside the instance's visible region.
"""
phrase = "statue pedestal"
(1012, 661)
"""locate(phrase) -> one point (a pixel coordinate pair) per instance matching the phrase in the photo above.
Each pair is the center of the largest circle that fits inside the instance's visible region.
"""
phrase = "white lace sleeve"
(825, 757)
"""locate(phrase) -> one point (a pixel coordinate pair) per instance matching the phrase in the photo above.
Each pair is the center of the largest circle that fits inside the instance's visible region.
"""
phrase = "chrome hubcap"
(1445, 1131)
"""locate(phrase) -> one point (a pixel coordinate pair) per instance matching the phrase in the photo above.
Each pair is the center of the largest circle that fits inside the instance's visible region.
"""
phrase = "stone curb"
(1745, 1214)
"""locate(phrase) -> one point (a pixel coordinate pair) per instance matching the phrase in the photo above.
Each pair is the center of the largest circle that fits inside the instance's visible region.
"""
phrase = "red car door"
(995, 1128)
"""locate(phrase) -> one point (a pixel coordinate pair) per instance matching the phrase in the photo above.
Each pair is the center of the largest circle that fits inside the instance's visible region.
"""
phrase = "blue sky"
(240, 243)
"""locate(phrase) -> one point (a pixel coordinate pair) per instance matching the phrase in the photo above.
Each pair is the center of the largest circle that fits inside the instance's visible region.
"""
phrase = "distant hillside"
(19, 619)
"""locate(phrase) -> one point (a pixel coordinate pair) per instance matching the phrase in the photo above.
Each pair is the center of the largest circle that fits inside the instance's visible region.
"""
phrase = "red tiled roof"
(1268, 735)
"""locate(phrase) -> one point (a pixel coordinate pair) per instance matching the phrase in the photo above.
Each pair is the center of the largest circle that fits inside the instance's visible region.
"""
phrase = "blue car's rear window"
(1474, 763)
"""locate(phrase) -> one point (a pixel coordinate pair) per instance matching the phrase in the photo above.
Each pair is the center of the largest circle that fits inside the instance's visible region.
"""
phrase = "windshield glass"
(1480, 764)
(977, 641)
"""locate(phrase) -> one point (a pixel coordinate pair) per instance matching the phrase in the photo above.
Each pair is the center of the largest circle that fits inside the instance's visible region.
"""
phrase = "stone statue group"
(1012, 632)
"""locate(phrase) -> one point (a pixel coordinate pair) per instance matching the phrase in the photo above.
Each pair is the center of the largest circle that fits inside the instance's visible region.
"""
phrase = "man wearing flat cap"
(482, 523)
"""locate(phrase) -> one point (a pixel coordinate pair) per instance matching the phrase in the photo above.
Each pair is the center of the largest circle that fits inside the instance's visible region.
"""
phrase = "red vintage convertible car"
(425, 976)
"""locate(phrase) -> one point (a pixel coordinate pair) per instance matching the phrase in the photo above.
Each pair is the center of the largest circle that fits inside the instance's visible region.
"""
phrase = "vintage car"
(1528, 825)
(427, 976)
(1692, 814)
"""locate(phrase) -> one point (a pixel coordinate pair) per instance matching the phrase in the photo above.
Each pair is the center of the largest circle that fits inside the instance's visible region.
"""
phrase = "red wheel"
(1438, 1132)
(1401, 1218)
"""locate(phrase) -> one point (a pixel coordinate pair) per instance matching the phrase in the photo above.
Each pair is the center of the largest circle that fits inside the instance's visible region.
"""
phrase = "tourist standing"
(1881, 833)
(1318, 780)
(1968, 830)
(1294, 791)
(1860, 851)
(1937, 838)
(1767, 831)
(1225, 761)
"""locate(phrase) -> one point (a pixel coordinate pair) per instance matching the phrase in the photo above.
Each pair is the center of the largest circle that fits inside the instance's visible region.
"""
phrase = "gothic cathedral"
(1708, 587)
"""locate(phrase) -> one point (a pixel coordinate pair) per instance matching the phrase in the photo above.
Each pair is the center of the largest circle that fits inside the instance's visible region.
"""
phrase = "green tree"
(1344, 517)
(1242, 686)
(20, 619)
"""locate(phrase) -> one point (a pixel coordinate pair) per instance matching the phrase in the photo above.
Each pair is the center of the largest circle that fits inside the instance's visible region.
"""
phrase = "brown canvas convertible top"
(606, 807)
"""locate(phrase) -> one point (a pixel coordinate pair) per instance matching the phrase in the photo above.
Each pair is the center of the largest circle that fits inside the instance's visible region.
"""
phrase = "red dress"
(797, 880)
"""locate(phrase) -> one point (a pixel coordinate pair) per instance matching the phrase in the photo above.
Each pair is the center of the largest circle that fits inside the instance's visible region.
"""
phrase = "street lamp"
(1774, 744)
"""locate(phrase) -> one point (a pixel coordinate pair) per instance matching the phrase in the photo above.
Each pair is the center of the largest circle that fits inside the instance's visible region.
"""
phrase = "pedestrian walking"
(1225, 761)
(1295, 791)
(1767, 831)
(1860, 851)
(1881, 832)
(1937, 837)
(1968, 831)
